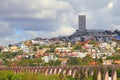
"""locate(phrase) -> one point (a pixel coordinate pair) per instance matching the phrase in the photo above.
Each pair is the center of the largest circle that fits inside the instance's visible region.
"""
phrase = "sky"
(27, 19)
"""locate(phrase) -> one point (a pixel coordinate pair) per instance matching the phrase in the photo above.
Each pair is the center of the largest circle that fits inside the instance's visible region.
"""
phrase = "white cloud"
(55, 17)
(65, 30)
(5, 29)
(32, 34)
(110, 5)
(46, 14)
(7, 41)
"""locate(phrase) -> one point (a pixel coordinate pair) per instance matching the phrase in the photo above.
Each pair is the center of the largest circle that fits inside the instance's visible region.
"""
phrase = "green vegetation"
(73, 61)
(24, 62)
(9, 75)
(95, 74)
(53, 63)
(117, 32)
(34, 48)
(29, 62)
(0, 49)
(9, 55)
(40, 47)
(92, 42)
(52, 49)
(117, 50)
(90, 78)
(79, 61)
(118, 73)
(115, 57)
(77, 47)
(80, 75)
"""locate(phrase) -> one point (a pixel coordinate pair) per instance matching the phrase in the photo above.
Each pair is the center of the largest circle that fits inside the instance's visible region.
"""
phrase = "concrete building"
(81, 23)
(82, 32)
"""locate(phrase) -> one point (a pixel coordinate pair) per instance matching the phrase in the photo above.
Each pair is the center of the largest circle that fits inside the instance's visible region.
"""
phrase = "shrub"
(10, 75)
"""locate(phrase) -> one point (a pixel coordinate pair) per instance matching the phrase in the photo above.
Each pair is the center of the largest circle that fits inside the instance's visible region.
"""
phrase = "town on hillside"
(84, 47)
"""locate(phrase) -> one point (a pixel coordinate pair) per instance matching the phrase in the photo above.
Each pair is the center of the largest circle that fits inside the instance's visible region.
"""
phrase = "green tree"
(77, 47)
(73, 61)
(10, 75)
(57, 63)
(117, 50)
(95, 74)
(92, 42)
(118, 73)
(52, 49)
(40, 47)
(115, 57)
(54, 63)
(0, 49)
(7, 55)
(34, 48)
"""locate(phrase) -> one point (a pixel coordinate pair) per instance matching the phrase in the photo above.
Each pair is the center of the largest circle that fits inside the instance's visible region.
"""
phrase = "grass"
(9, 75)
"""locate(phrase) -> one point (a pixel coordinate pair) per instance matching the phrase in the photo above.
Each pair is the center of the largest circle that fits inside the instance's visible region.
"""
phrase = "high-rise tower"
(82, 23)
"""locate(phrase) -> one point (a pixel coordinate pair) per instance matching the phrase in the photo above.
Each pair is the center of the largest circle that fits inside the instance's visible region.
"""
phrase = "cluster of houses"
(100, 50)
(63, 48)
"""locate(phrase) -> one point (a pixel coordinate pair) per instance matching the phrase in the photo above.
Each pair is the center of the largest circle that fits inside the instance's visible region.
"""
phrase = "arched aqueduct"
(102, 72)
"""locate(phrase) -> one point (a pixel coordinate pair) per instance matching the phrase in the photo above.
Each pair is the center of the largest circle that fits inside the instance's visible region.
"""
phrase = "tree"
(7, 55)
(117, 50)
(24, 62)
(116, 57)
(73, 61)
(77, 47)
(86, 60)
(117, 32)
(57, 63)
(0, 49)
(52, 49)
(54, 63)
(95, 74)
(92, 42)
(34, 48)
(40, 47)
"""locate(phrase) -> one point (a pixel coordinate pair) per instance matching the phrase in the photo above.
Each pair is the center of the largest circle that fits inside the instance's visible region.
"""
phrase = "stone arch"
(90, 71)
(69, 71)
(54, 70)
(74, 70)
(46, 70)
(59, 70)
(105, 73)
(50, 70)
(114, 74)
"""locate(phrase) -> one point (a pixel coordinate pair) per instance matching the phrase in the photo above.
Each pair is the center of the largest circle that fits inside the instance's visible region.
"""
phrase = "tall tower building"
(82, 23)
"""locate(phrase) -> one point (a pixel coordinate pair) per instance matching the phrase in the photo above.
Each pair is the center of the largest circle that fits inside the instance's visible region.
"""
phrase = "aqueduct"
(101, 72)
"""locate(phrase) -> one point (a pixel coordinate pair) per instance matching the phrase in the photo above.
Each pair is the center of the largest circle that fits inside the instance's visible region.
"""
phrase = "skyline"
(21, 20)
